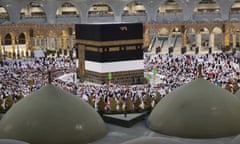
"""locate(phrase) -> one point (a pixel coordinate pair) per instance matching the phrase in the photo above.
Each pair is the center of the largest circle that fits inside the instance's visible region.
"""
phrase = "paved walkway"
(118, 135)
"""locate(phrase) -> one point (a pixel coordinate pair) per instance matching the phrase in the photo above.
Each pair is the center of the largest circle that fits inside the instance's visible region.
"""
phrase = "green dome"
(198, 109)
(52, 116)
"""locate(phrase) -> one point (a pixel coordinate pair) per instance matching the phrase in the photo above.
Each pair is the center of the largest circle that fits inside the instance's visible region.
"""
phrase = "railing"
(32, 16)
(67, 16)
(134, 14)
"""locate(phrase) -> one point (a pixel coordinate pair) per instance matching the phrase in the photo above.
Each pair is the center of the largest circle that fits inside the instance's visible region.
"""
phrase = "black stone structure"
(109, 32)
(109, 43)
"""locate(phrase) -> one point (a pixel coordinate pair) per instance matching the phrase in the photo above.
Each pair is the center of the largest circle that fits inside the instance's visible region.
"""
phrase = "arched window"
(33, 10)
(100, 9)
(3, 13)
(8, 39)
(21, 39)
(170, 6)
(236, 7)
(207, 6)
(67, 9)
(134, 8)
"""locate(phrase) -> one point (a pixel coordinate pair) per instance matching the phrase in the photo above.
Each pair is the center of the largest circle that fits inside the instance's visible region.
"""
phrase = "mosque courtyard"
(118, 135)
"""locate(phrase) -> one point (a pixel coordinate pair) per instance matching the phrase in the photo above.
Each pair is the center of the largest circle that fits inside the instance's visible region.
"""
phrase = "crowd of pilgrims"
(221, 69)
(19, 78)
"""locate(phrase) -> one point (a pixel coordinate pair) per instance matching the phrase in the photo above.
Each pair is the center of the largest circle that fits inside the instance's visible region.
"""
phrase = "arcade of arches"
(20, 40)
(203, 35)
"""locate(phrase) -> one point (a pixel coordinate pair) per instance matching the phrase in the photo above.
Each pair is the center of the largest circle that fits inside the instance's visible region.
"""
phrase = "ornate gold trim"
(114, 49)
(110, 43)
(94, 49)
(131, 48)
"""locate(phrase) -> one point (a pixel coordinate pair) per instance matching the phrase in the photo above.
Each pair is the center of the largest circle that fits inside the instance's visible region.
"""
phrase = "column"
(69, 45)
(47, 43)
(13, 47)
(18, 51)
(56, 46)
(81, 61)
(30, 51)
(44, 44)
(53, 43)
(146, 38)
(199, 40)
(234, 38)
(35, 43)
(65, 43)
(40, 42)
(29, 46)
(1, 54)
(184, 39)
(211, 41)
(62, 45)
(4, 50)
(169, 40)
(27, 43)
(70, 42)
(226, 38)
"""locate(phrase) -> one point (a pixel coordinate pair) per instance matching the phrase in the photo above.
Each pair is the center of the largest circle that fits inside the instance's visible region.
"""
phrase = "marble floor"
(118, 135)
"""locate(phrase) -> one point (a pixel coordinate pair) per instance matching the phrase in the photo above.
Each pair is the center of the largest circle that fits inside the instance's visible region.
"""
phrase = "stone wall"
(123, 77)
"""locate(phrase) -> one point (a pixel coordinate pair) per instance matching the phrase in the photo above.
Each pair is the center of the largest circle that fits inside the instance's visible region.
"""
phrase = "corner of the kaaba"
(115, 48)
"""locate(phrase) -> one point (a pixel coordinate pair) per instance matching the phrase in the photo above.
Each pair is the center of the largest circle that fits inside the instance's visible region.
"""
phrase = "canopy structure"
(198, 109)
(52, 116)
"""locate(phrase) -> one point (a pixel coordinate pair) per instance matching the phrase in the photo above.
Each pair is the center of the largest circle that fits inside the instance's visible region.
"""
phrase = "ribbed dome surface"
(198, 109)
(52, 116)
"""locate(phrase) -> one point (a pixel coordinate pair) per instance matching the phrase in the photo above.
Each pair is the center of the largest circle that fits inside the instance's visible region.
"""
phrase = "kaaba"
(110, 52)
